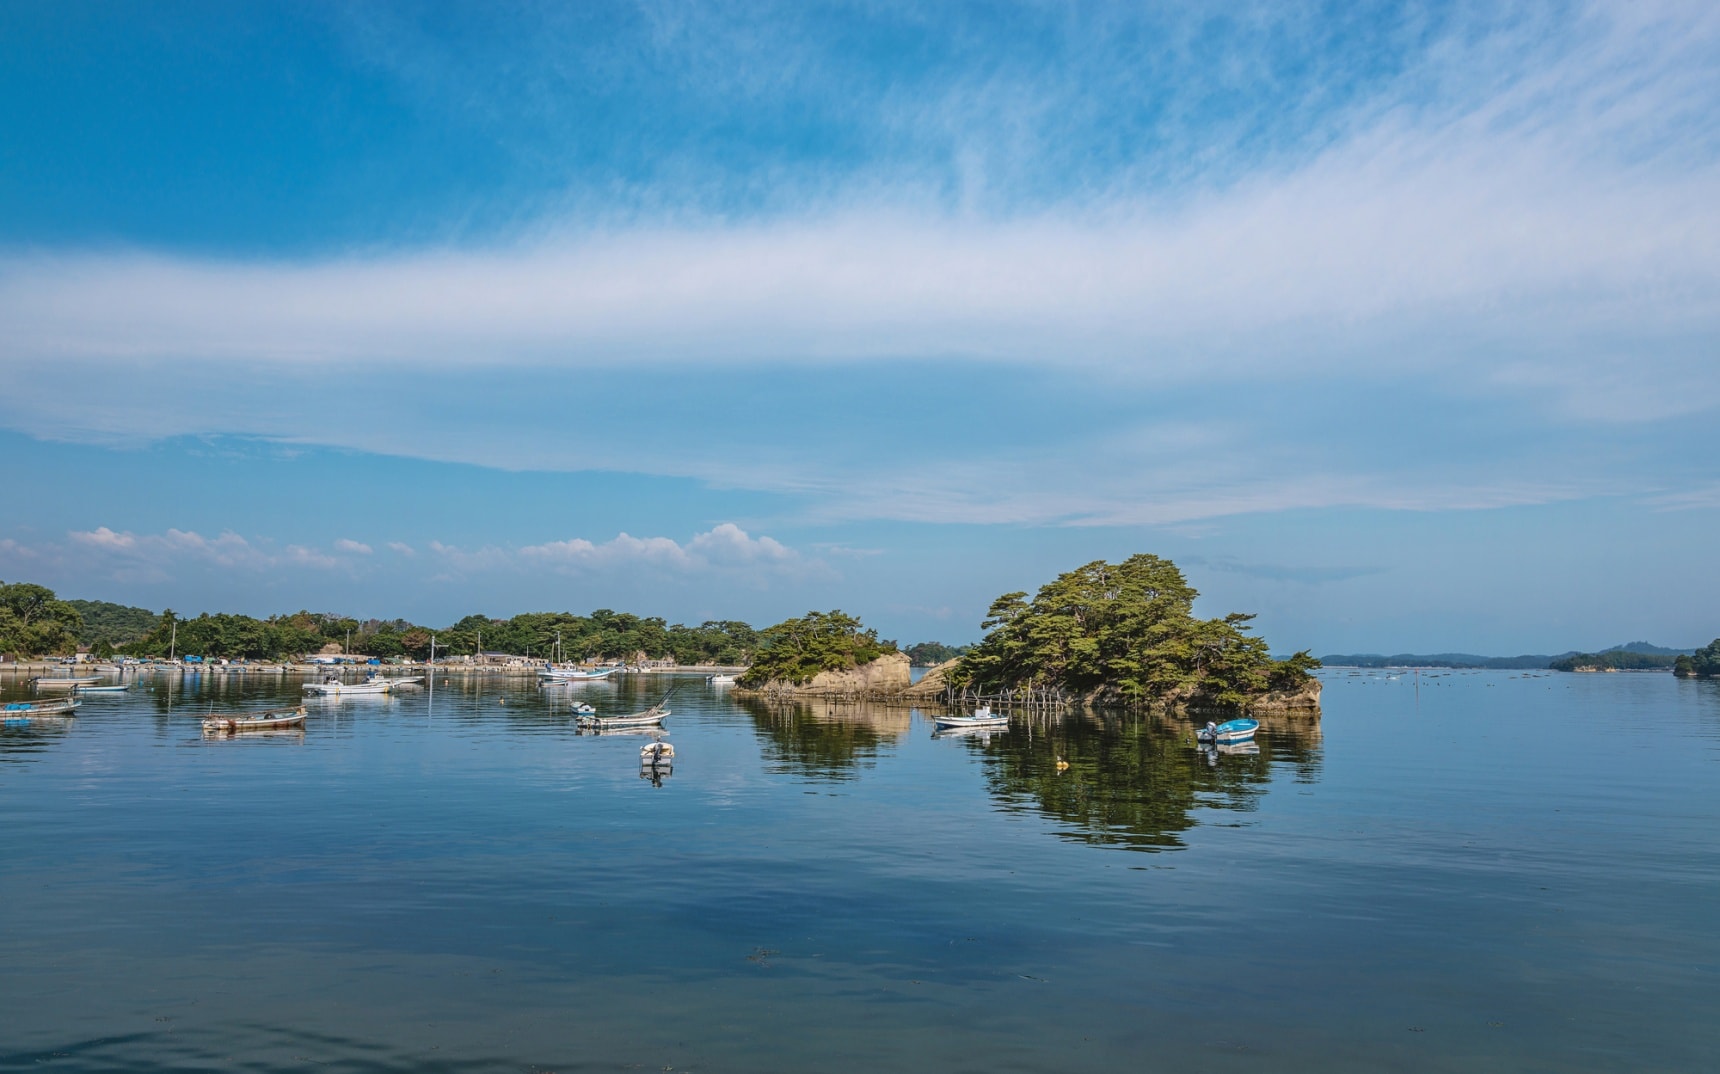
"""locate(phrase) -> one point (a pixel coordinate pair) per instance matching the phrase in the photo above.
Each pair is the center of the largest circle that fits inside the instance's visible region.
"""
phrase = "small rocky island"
(1704, 663)
(1102, 635)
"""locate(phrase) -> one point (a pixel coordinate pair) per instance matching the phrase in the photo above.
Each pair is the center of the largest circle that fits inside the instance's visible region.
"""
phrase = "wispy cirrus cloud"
(1515, 204)
(1493, 210)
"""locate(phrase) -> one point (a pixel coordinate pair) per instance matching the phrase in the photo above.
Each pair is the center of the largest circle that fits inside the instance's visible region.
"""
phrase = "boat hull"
(263, 721)
(620, 723)
(1230, 732)
(27, 709)
(953, 723)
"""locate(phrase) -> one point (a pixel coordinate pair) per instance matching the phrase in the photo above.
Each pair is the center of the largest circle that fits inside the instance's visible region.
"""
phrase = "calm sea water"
(1479, 871)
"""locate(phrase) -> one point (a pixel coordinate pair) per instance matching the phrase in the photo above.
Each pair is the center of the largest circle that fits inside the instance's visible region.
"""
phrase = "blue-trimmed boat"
(1228, 733)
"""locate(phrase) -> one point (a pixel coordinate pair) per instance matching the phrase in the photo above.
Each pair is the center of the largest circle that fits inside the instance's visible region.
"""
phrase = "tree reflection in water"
(823, 739)
(1134, 782)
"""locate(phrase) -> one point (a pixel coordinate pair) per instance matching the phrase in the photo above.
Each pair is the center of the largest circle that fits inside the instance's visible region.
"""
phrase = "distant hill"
(1509, 663)
(115, 624)
(1617, 660)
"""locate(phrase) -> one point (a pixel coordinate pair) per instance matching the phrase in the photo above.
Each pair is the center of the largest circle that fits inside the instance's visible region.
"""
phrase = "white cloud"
(1529, 211)
(156, 557)
(402, 548)
(724, 548)
(1454, 227)
(346, 544)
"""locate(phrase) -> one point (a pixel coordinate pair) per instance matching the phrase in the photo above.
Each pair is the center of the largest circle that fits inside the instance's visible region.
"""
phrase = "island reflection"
(1133, 782)
(826, 740)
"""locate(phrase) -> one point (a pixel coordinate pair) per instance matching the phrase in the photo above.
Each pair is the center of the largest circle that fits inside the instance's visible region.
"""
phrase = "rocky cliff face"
(932, 683)
(1292, 702)
(888, 674)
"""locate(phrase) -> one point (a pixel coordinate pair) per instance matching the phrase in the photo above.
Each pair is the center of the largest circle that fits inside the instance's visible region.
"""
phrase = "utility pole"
(173, 646)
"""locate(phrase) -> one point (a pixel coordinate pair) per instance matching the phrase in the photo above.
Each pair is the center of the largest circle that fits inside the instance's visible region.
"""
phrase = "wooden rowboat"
(59, 706)
(65, 681)
(271, 720)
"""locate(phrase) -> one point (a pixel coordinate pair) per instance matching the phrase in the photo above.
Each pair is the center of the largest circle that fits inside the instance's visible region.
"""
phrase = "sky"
(1396, 324)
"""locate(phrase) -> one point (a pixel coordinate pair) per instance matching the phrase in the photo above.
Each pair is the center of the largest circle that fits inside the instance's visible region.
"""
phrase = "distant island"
(1633, 656)
(1104, 634)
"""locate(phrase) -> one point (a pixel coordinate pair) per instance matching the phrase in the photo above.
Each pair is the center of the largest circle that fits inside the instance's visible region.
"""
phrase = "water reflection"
(824, 739)
(1135, 782)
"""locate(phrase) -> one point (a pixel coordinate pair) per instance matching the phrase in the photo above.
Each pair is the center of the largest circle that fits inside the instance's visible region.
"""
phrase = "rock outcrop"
(887, 676)
(1302, 702)
(933, 682)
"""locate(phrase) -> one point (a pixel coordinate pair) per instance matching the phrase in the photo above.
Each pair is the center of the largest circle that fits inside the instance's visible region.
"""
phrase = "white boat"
(24, 711)
(271, 720)
(720, 680)
(331, 686)
(651, 717)
(106, 688)
(62, 681)
(584, 709)
(658, 754)
(555, 674)
(1229, 733)
(982, 717)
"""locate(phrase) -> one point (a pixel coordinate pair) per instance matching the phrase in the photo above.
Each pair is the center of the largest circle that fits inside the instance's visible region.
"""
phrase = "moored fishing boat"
(106, 688)
(651, 717)
(332, 686)
(268, 720)
(23, 710)
(566, 674)
(982, 717)
(65, 681)
(720, 680)
(1230, 732)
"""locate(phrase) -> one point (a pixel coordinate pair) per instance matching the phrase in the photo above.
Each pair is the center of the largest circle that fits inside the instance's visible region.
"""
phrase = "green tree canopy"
(35, 622)
(1703, 664)
(1126, 631)
(795, 650)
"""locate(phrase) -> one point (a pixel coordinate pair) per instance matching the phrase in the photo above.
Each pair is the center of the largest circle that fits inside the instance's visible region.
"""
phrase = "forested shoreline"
(35, 622)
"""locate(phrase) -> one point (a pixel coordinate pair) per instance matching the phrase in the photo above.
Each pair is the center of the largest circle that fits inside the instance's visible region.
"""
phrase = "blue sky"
(1398, 324)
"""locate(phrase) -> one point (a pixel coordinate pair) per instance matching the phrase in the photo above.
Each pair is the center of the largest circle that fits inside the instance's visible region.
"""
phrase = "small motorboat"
(332, 686)
(651, 717)
(24, 710)
(270, 720)
(658, 754)
(982, 717)
(106, 688)
(720, 680)
(584, 709)
(555, 674)
(1228, 733)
